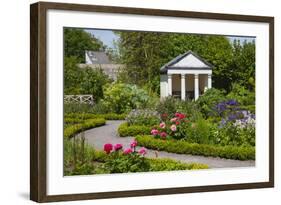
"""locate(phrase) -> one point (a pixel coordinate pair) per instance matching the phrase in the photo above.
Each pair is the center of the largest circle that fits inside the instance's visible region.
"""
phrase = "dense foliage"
(77, 41)
(144, 53)
(83, 80)
(181, 147)
(122, 98)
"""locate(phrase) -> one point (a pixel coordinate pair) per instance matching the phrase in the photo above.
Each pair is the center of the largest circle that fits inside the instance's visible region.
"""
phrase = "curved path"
(97, 137)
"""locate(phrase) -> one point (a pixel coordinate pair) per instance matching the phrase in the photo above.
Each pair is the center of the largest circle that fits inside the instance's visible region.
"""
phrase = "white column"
(209, 81)
(183, 86)
(196, 86)
(169, 84)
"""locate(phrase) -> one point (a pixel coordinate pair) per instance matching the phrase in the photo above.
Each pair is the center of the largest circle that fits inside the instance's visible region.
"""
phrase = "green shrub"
(124, 97)
(72, 130)
(181, 147)
(162, 164)
(242, 95)
(209, 100)
(108, 116)
(190, 108)
(199, 132)
(124, 130)
(69, 120)
(97, 108)
(117, 162)
(167, 106)
(143, 117)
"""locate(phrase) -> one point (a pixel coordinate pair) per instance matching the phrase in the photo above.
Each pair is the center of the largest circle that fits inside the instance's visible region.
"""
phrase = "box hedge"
(108, 116)
(72, 130)
(182, 147)
(124, 130)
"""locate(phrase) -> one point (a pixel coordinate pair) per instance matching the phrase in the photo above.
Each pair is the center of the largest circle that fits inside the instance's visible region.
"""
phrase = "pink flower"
(154, 132)
(163, 134)
(162, 125)
(142, 151)
(118, 147)
(107, 148)
(174, 119)
(173, 128)
(134, 143)
(128, 151)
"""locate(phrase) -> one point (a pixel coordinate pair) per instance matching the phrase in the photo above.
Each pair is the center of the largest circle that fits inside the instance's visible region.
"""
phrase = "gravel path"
(97, 137)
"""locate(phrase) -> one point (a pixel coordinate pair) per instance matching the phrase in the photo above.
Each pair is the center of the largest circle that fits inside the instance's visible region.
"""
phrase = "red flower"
(118, 147)
(180, 115)
(177, 122)
(107, 148)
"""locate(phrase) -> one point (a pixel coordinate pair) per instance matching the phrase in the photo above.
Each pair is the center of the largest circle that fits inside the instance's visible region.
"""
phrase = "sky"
(108, 37)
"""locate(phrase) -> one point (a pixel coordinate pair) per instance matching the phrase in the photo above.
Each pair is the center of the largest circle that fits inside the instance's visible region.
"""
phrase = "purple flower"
(232, 102)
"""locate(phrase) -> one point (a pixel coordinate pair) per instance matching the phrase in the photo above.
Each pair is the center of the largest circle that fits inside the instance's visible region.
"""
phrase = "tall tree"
(243, 63)
(144, 53)
(77, 41)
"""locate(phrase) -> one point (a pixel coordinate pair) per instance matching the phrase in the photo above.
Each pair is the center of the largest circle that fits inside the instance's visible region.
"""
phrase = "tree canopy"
(77, 41)
(144, 53)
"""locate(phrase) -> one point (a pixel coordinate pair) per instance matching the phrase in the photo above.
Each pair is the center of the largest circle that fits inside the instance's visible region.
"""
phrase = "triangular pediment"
(187, 61)
(190, 61)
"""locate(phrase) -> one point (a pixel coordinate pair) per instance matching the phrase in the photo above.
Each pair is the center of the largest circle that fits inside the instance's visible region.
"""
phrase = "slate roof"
(174, 63)
(97, 57)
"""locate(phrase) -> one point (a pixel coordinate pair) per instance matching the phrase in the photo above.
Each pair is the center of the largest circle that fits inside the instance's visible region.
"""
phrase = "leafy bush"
(167, 107)
(124, 130)
(239, 130)
(190, 108)
(162, 164)
(199, 132)
(108, 116)
(143, 117)
(242, 95)
(124, 97)
(96, 108)
(92, 82)
(181, 147)
(72, 130)
(208, 101)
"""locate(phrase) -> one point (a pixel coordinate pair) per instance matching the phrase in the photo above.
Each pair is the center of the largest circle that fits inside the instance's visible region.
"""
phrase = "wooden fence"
(83, 99)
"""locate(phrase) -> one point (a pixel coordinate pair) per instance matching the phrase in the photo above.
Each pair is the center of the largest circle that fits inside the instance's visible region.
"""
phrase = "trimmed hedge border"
(108, 116)
(124, 130)
(72, 130)
(182, 147)
(159, 164)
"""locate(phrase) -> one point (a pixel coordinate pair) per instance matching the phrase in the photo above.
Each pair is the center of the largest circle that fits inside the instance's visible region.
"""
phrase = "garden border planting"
(72, 130)
(108, 116)
(182, 147)
(124, 130)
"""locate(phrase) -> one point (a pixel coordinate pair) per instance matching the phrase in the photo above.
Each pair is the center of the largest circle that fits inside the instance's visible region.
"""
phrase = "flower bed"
(182, 147)
(108, 116)
(72, 130)
(124, 130)
(116, 159)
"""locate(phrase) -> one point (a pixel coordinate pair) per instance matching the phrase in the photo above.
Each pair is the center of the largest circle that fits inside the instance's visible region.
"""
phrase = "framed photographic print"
(135, 102)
